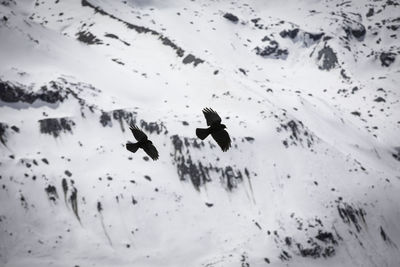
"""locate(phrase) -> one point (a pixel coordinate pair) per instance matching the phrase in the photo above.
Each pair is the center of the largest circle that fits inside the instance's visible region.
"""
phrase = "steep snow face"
(307, 89)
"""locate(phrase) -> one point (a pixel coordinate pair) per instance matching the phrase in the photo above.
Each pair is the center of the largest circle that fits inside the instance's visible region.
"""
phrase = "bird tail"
(202, 133)
(132, 147)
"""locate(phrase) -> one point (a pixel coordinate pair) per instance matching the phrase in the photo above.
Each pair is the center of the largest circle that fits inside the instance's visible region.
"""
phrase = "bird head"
(223, 126)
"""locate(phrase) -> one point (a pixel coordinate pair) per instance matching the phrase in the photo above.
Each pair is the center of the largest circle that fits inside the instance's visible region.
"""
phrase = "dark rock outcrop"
(396, 155)
(298, 134)
(88, 38)
(157, 127)
(105, 119)
(327, 58)
(51, 192)
(289, 33)
(231, 17)
(355, 29)
(55, 126)
(298, 35)
(192, 59)
(271, 50)
(11, 93)
(198, 172)
(352, 215)
(3, 133)
(387, 58)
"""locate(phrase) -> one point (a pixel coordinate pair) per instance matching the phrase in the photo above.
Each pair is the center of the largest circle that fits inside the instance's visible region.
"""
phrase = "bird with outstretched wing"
(142, 142)
(216, 129)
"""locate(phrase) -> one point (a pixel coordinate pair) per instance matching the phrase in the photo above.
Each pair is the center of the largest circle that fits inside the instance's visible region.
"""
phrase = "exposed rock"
(243, 71)
(272, 50)
(387, 58)
(15, 128)
(11, 93)
(326, 237)
(314, 36)
(124, 116)
(370, 12)
(64, 185)
(139, 29)
(231, 17)
(396, 155)
(192, 59)
(355, 29)
(327, 58)
(51, 193)
(249, 139)
(166, 41)
(379, 99)
(105, 119)
(128, 117)
(289, 33)
(151, 127)
(88, 38)
(73, 199)
(298, 134)
(56, 126)
(113, 36)
(3, 134)
(351, 215)
(200, 173)
(110, 35)
(297, 35)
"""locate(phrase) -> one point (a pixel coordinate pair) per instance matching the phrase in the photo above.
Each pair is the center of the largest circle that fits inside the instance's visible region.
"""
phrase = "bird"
(216, 129)
(143, 143)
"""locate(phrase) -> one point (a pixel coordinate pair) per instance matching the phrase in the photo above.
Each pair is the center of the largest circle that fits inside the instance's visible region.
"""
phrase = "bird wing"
(223, 139)
(137, 133)
(211, 116)
(151, 150)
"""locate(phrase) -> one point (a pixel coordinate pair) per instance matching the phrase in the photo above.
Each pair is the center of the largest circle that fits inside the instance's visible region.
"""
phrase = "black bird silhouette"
(216, 129)
(142, 143)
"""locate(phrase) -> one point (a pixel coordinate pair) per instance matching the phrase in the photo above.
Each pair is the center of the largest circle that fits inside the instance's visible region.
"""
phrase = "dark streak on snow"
(196, 171)
(73, 199)
(351, 215)
(99, 210)
(386, 238)
(55, 126)
(140, 29)
(113, 36)
(397, 154)
(64, 185)
(231, 17)
(120, 115)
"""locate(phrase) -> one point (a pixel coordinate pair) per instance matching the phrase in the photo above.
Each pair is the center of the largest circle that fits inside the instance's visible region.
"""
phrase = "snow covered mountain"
(309, 91)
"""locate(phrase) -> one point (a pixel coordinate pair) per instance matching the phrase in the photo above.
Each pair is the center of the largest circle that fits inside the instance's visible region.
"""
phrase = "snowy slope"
(308, 90)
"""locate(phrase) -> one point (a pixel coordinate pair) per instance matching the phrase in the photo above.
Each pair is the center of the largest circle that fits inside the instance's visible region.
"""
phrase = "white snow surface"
(313, 175)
